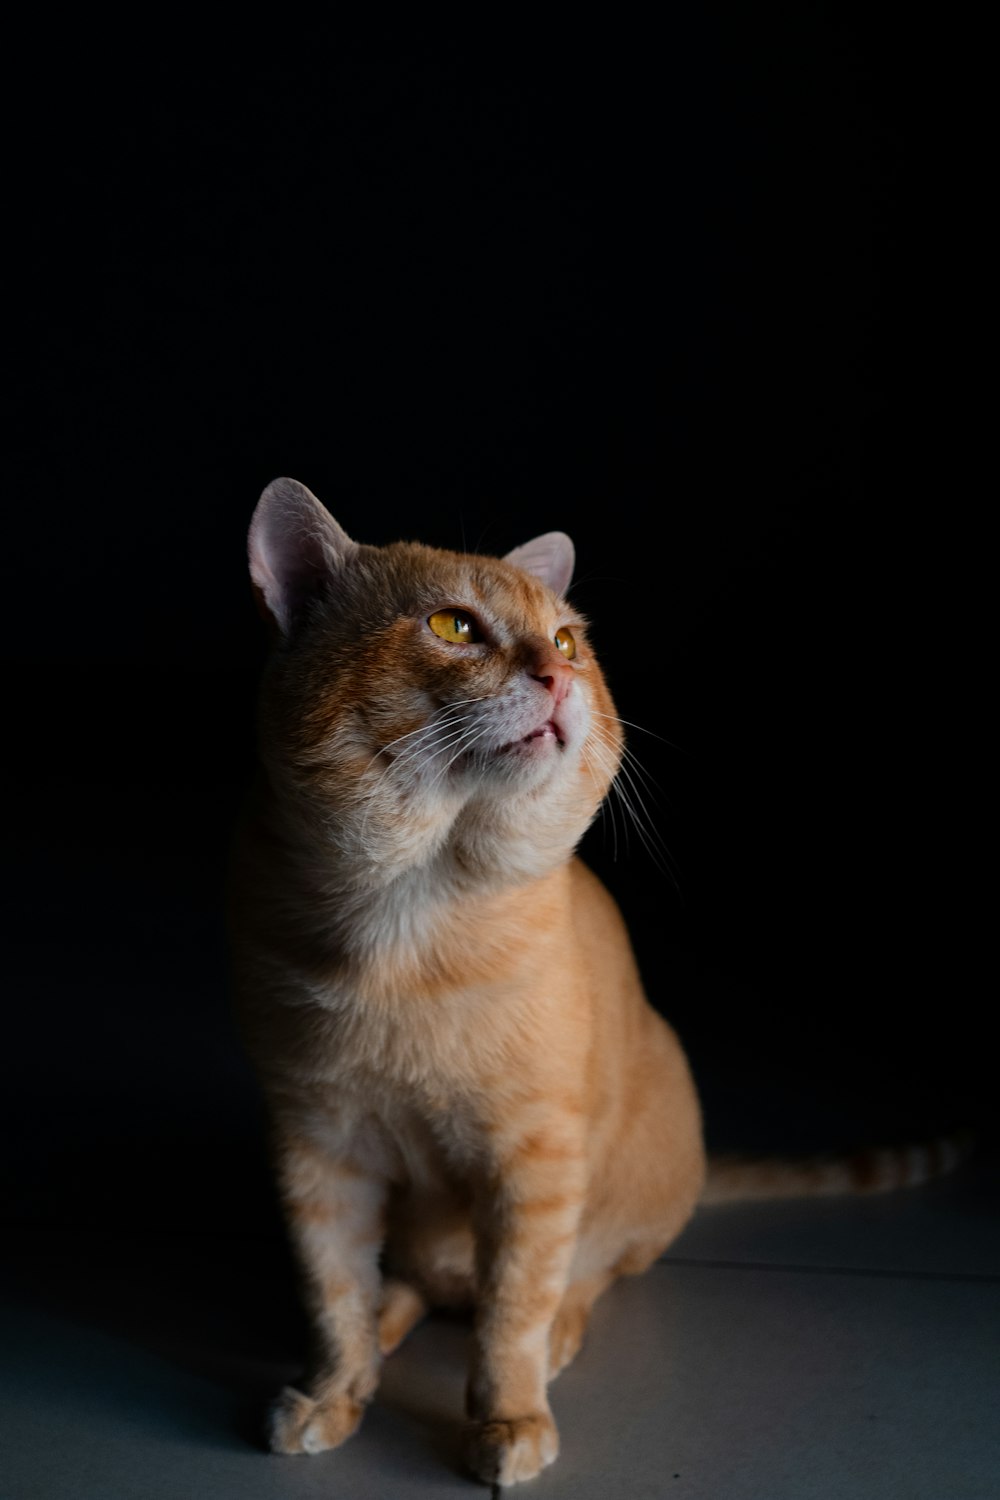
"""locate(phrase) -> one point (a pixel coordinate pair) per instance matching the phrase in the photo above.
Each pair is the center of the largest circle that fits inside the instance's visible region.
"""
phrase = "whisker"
(628, 789)
(654, 791)
(423, 744)
(607, 807)
(462, 749)
(435, 725)
(416, 735)
(610, 763)
(634, 795)
(642, 728)
(629, 758)
(446, 734)
(423, 749)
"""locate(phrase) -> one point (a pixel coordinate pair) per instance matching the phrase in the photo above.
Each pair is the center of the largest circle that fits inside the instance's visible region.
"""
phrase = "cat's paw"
(301, 1425)
(505, 1452)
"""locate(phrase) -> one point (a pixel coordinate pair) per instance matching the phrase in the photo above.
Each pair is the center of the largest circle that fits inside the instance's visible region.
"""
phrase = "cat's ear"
(549, 557)
(294, 546)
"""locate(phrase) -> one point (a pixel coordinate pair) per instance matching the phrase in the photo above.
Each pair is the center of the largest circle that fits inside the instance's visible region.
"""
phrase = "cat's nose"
(554, 674)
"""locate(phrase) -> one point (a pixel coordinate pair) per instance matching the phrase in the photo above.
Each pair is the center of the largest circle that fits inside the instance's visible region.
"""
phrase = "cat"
(471, 1101)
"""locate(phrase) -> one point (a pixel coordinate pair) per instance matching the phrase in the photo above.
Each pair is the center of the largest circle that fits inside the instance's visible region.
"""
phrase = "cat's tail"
(882, 1169)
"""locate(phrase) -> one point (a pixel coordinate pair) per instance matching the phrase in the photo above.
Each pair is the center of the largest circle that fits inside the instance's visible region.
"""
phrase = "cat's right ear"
(294, 546)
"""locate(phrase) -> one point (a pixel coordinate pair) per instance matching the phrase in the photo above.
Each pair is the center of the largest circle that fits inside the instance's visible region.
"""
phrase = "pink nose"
(553, 673)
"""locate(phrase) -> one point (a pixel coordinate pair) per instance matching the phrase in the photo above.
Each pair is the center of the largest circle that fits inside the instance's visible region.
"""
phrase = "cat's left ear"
(549, 557)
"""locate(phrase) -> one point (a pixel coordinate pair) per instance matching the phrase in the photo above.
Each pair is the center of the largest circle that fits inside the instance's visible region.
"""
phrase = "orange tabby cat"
(472, 1102)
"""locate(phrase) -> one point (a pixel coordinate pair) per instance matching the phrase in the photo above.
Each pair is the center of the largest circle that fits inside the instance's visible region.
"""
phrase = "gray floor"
(841, 1348)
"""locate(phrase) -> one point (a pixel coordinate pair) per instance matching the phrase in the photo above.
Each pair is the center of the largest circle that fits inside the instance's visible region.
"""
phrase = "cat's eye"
(566, 643)
(456, 626)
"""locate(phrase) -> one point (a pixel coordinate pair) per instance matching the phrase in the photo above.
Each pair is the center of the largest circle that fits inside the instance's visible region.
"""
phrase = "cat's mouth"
(538, 740)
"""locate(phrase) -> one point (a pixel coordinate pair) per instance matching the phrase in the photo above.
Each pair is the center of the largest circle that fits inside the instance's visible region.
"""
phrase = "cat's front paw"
(505, 1452)
(301, 1425)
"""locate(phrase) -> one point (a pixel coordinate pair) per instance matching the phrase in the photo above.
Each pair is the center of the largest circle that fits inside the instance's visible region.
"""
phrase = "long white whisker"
(654, 790)
(446, 735)
(462, 749)
(608, 760)
(436, 726)
(635, 795)
(607, 807)
(629, 791)
(425, 751)
(432, 724)
(425, 744)
(642, 728)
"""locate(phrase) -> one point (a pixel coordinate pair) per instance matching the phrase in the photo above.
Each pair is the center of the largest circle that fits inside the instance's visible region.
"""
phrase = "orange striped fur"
(471, 1101)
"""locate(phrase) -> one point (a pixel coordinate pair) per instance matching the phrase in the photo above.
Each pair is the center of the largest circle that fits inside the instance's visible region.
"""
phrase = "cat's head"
(413, 691)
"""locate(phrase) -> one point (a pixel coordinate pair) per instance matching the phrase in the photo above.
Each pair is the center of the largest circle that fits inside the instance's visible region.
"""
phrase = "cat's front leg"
(527, 1218)
(335, 1213)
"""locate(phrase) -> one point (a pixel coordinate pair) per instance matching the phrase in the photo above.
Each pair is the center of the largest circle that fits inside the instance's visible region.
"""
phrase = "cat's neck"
(484, 842)
(368, 887)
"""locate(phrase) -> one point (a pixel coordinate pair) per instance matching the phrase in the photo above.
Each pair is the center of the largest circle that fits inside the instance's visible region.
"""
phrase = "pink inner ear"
(549, 557)
(294, 544)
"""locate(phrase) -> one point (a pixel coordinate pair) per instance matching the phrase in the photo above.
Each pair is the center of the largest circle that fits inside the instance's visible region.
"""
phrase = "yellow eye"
(455, 625)
(564, 640)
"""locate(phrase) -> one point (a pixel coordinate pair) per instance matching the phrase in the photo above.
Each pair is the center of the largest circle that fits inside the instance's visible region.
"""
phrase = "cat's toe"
(301, 1425)
(506, 1452)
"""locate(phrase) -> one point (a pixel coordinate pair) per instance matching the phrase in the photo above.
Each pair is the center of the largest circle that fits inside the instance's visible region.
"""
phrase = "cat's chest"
(413, 1045)
(404, 1086)
(426, 1020)
(422, 1144)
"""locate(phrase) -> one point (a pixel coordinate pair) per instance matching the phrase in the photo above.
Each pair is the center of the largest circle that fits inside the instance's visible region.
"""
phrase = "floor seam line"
(984, 1277)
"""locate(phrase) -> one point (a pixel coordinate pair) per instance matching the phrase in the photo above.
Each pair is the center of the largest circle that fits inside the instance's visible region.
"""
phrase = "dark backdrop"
(666, 293)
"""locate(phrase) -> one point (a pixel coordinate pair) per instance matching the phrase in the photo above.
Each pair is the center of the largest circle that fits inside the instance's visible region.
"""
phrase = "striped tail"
(734, 1179)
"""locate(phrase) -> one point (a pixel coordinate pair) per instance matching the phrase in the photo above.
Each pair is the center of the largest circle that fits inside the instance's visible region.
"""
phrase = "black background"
(676, 294)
